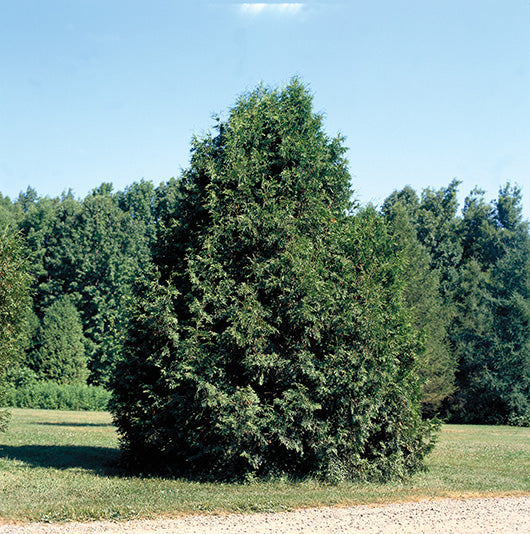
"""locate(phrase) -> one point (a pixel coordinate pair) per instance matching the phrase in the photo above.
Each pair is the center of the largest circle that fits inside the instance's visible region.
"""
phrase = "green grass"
(57, 465)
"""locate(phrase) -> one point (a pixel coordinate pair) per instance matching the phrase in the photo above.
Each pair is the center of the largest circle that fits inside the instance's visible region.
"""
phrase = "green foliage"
(54, 396)
(113, 252)
(482, 260)
(138, 200)
(14, 304)
(59, 351)
(9, 214)
(479, 317)
(91, 250)
(492, 328)
(422, 295)
(14, 295)
(438, 230)
(247, 245)
(273, 339)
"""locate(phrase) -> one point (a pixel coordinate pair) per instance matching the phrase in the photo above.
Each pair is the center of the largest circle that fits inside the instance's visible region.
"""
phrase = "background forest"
(466, 275)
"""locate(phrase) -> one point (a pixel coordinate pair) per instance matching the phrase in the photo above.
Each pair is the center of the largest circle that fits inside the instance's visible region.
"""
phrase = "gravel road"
(485, 516)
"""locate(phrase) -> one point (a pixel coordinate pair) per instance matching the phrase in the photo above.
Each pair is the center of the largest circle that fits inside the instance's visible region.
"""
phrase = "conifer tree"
(59, 354)
(14, 304)
(273, 338)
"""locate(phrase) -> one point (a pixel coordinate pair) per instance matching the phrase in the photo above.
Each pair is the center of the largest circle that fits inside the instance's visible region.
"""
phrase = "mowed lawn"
(57, 465)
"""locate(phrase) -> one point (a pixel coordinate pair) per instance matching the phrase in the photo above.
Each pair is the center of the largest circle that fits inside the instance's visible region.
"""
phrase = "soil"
(504, 515)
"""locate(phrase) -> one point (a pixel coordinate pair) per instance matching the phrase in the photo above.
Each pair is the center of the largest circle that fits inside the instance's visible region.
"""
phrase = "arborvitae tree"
(14, 304)
(273, 338)
(59, 354)
(422, 296)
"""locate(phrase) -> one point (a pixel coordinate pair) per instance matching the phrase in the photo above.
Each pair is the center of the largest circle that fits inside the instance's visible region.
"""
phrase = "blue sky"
(112, 90)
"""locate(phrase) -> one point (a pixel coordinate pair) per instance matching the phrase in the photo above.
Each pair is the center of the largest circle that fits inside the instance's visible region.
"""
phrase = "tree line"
(466, 274)
(469, 286)
(256, 270)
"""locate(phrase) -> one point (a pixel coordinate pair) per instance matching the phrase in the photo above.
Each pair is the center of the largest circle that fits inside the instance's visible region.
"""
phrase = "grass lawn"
(58, 465)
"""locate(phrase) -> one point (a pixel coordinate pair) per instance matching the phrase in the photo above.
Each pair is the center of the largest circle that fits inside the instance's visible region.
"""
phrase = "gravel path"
(485, 516)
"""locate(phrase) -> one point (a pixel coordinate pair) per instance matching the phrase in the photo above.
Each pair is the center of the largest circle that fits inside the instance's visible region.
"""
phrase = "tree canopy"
(274, 338)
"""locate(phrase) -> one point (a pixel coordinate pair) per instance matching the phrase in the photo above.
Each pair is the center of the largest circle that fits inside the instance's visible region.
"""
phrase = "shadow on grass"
(98, 460)
(79, 425)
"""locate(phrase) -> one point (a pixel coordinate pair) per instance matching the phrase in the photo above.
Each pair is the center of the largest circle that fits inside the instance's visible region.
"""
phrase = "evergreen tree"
(59, 354)
(9, 215)
(438, 230)
(14, 304)
(471, 338)
(47, 225)
(273, 338)
(138, 200)
(26, 200)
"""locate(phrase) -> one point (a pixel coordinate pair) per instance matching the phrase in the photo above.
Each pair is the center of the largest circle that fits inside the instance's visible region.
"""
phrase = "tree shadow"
(98, 460)
(80, 425)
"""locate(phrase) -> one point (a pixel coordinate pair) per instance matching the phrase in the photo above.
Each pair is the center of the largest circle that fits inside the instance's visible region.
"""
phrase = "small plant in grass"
(273, 340)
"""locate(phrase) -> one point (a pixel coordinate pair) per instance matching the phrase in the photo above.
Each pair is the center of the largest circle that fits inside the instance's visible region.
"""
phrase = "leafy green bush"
(274, 339)
(53, 396)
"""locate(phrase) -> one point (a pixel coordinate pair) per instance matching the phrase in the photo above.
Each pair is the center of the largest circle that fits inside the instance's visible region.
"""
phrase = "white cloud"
(280, 8)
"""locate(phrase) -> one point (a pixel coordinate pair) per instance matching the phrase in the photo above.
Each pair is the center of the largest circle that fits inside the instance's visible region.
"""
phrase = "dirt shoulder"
(493, 515)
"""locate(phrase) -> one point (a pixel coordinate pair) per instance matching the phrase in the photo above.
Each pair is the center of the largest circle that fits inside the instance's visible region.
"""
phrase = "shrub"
(273, 339)
(53, 396)
(59, 352)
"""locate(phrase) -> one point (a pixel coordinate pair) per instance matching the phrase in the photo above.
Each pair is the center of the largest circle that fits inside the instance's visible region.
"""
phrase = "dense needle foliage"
(14, 304)
(273, 338)
(59, 353)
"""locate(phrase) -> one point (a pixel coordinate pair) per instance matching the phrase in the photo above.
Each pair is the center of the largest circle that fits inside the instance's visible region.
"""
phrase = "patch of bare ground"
(504, 515)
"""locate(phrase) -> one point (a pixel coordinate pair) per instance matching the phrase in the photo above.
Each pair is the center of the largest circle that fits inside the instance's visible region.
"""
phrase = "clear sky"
(113, 90)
